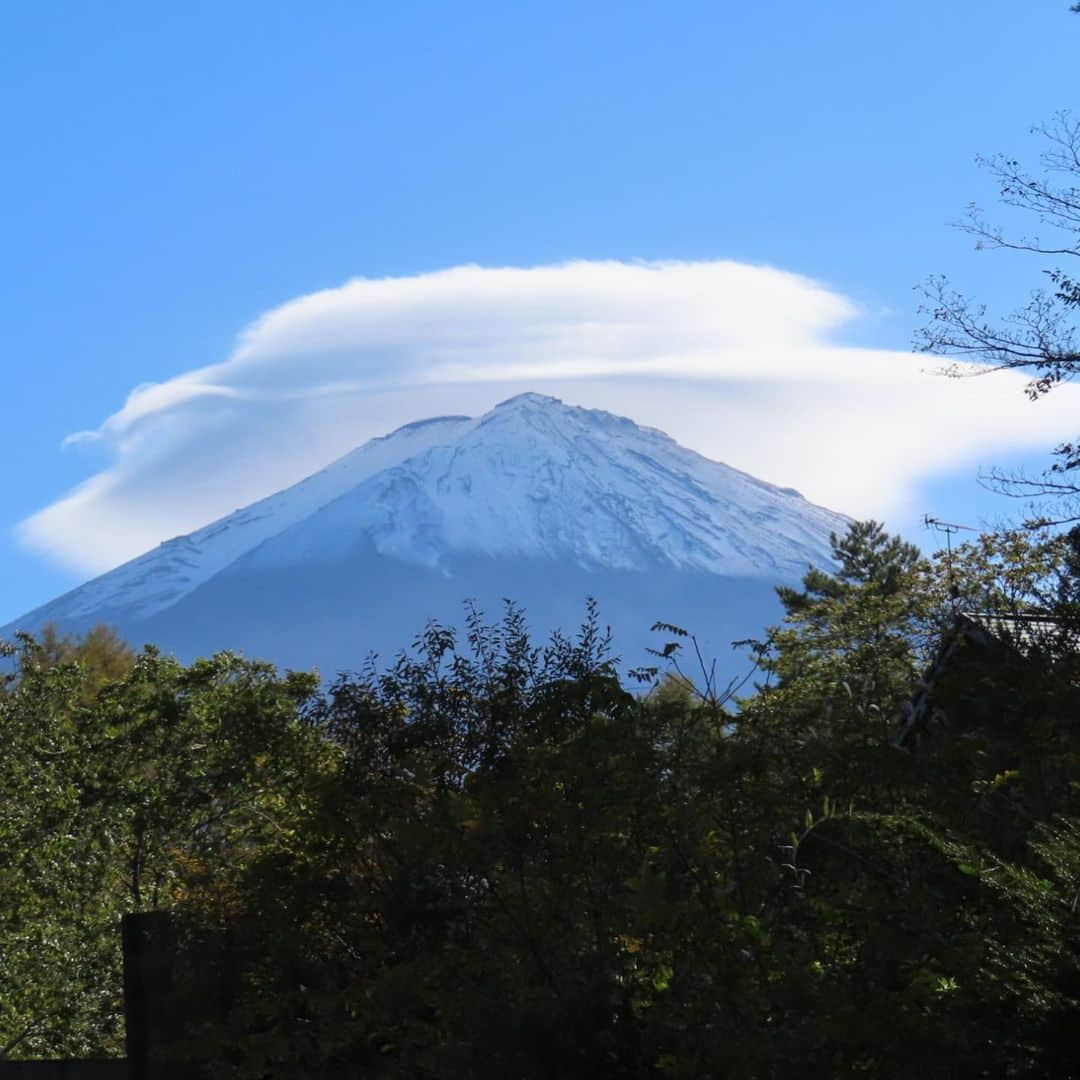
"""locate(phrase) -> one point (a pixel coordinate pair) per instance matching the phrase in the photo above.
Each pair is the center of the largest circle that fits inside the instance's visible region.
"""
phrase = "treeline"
(501, 859)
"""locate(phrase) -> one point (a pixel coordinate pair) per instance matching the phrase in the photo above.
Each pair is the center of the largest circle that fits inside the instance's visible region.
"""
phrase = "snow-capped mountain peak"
(532, 479)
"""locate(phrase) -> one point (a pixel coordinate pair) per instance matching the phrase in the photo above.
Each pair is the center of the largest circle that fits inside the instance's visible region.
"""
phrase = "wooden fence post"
(152, 1013)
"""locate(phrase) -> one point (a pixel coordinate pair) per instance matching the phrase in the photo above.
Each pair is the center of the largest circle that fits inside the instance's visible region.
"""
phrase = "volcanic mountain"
(536, 501)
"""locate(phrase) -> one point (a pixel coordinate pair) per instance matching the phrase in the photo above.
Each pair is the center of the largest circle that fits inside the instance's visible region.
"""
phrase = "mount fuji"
(536, 501)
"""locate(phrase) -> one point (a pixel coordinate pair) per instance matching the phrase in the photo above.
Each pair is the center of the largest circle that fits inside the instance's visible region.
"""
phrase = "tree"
(119, 801)
(856, 625)
(520, 869)
(865, 556)
(101, 655)
(490, 859)
(1040, 336)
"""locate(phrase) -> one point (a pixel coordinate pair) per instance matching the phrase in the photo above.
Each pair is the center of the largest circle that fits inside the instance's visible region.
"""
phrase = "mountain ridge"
(532, 482)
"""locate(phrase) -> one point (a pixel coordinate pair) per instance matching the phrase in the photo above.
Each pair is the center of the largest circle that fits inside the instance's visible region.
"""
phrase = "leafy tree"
(522, 870)
(491, 859)
(866, 556)
(109, 802)
(101, 655)
(852, 642)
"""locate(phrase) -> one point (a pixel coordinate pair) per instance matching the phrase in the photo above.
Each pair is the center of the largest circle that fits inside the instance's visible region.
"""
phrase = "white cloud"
(733, 360)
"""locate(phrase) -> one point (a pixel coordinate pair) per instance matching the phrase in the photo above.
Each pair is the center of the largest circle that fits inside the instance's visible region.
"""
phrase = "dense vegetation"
(498, 859)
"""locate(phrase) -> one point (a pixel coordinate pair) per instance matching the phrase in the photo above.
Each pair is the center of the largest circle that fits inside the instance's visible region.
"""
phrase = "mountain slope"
(535, 500)
(161, 577)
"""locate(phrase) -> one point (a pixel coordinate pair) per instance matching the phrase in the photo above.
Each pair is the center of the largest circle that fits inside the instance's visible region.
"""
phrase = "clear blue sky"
(171, 171)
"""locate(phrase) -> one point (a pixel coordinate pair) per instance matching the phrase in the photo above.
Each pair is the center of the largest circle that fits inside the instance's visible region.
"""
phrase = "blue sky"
(171, 175)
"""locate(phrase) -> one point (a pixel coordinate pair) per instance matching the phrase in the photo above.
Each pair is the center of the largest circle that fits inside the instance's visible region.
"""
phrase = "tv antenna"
(950, 529)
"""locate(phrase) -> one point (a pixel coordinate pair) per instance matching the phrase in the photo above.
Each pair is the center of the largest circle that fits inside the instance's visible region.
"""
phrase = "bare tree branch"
(1039, 337)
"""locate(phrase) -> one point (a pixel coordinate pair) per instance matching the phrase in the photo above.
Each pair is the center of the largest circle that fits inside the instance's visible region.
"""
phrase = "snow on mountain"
(532, 483)
(159, 578)
(535, 478)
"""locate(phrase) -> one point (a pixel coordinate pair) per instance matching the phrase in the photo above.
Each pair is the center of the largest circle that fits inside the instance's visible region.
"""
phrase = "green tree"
(111, 802)
(520, 869)
(853, 641)
(100, 655)
(491, 859)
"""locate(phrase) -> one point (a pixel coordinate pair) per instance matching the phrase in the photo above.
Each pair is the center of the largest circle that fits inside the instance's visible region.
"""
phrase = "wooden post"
(150, 1008)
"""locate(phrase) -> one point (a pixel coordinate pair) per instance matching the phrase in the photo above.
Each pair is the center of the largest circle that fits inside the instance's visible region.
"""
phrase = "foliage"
(526, 871)
(101, 651)
(853, 642)
(493, 859)
(108, 800)
(100, 655)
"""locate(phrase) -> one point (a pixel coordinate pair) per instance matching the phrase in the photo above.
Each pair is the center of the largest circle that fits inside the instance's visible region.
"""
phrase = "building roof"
(1021, 631)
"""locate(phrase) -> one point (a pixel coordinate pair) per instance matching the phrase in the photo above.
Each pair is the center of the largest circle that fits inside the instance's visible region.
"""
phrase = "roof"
(1022, 631)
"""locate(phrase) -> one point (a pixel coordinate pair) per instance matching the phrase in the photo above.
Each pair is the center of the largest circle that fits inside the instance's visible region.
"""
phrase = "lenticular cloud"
(736, 361)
